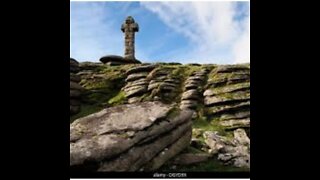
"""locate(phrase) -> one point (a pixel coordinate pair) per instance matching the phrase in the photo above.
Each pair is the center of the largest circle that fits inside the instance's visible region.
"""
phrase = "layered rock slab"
(227, 96)
(192, 95)
(126, 137)
(114, 60)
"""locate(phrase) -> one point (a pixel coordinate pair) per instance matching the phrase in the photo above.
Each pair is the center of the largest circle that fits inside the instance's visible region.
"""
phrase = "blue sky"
(185, 32)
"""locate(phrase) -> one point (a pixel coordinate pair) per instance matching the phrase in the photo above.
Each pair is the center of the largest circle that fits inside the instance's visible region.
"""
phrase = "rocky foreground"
(163, 116)
(129, 137)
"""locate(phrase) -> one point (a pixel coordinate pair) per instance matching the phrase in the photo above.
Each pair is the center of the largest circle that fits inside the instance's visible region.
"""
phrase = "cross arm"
(135, 27)
(122, 27)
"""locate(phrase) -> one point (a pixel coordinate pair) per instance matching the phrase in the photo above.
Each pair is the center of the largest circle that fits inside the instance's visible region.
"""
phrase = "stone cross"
(129, 27)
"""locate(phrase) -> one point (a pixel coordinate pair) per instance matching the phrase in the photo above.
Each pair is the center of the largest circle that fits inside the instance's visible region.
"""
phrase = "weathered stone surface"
(199, 75)
(189, 158)
(231, 68)
(202, 72)
(188, 104)
(192, 89)
(236, 115)
(158, 72)
(241, 137)
(225, 77)
(109, 58)
(228, 107)
(133, 100)
(214, 141)
(157, 75)
(191, 94)
(169, 152)
(143, 68)
(239, 153)
(140, 155)
(114, 130)
(191, 85)
(113, 119)
(172, 81)
(135, 90)
(117, 60)
(91, 66)
(239, 77)
(129, 27)
(154, 85)
(166, 87)
(236, 123)
(85, 73)
(227, 89)
(228, 97)
(133, 77)
(156, 80)
(139, 82)
(195, 78)
(222, 79)
(164, 84)
(232, 152)
(98, 76)
(118, 63)
(169, 84)
(197, 132)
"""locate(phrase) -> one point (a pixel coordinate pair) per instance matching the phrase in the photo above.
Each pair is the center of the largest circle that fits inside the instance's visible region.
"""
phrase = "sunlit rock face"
(129, 137)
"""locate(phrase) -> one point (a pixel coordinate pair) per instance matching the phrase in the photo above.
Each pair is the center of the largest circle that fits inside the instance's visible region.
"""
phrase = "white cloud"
(211, 27)
(241, 48)
(214, 34)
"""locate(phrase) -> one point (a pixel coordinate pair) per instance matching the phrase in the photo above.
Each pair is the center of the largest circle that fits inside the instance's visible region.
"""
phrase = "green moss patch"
(103, 88)
(175, 111)
(118, 99)
(205, 125)
(202, 124)
(231, 88)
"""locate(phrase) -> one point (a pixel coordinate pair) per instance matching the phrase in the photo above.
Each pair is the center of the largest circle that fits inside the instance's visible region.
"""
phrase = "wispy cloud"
(214, 29)
(202, 32)
(241, 47)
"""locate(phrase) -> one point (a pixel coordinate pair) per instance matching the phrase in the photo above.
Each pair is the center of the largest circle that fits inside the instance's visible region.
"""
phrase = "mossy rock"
(118, 99)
